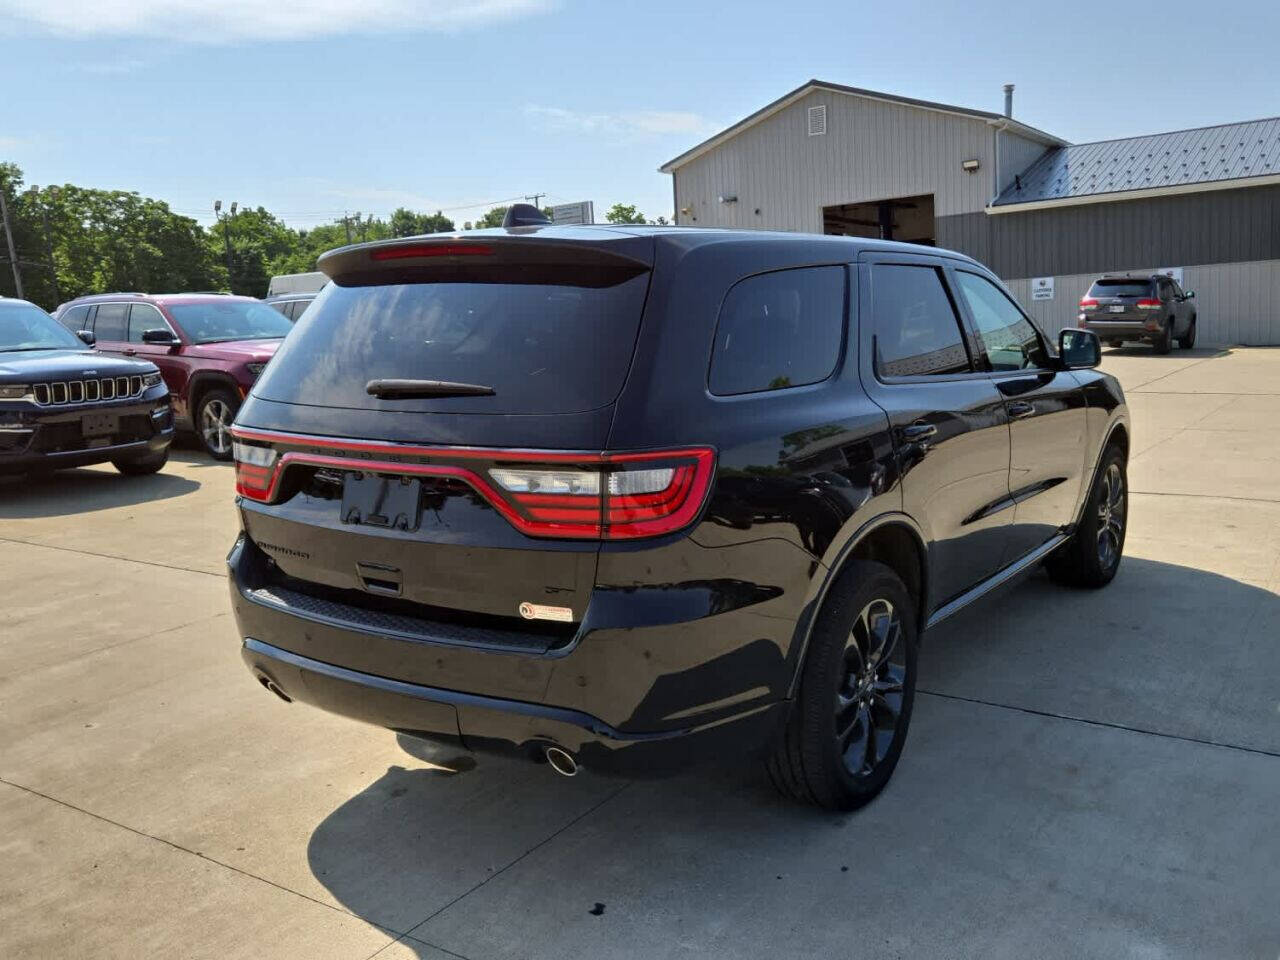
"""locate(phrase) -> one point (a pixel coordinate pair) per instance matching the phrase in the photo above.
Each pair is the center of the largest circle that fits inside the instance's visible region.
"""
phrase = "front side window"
(917, 330)
(75, 318)
(1009, 339)
(777, 330)
(143, 317)
(110, 322)
(25, 327)
(217, 321)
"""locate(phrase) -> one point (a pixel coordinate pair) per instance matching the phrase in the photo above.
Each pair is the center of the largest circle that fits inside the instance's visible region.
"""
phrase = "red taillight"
(431, 250)
(1148, 304)
(609, 496)
(1088, 303)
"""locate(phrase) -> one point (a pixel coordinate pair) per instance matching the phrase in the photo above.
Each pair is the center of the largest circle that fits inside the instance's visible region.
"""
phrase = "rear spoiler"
(513, 257)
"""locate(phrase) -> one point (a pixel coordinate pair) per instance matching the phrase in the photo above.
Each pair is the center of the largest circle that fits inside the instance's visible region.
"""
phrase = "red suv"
(209, 347)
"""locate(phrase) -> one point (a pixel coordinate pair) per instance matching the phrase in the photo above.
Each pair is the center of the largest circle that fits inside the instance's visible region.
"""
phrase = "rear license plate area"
(1117, 308)
(376, 501)
(99, 425)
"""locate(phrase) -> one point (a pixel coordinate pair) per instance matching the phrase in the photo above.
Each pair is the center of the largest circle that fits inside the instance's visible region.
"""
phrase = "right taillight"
(630, 495)
(1148, 304)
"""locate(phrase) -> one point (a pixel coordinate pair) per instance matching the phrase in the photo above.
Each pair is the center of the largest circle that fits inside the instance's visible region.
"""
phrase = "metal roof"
(786, 100)
(1176, 162)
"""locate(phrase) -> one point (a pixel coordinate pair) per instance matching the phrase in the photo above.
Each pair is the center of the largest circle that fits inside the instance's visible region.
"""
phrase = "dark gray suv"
(1150, 308)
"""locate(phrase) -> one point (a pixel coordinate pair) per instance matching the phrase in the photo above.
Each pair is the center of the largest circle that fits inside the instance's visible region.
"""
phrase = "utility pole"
(8, 235)
(535, 198)
(226, 237)
(48, 241)
(346, 222)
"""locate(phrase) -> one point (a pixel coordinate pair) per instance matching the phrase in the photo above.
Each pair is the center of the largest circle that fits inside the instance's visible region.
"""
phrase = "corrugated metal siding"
(1220, 226)
(872, 151)
(1236, 303)
(1016, 155)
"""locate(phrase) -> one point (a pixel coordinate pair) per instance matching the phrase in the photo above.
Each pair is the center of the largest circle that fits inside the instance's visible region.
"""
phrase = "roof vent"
(818, 120)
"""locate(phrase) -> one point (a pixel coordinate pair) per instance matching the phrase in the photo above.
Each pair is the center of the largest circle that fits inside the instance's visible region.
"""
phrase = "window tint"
(75, 318)
(143, 316)
(110, 322)
(1120, 288)
(544, 348)
(917, 331)
(1010, 341)
(779, 330)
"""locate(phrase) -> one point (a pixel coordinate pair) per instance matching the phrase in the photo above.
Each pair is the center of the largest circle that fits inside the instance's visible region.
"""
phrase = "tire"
(1084, 560)
(1189, 340)
(813, 760)
(141, 466)
(214, 414)
(1164, 343)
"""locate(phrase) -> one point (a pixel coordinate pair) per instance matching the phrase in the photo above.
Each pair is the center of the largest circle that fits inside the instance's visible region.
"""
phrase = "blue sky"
(366, 105)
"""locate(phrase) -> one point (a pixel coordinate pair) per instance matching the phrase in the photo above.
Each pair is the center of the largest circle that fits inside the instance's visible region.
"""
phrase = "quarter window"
(109, 324)
(1009, 339)
(778, 330)
(917, 330)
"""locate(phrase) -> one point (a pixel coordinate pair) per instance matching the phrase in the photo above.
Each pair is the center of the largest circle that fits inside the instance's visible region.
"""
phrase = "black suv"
(1152, 309)
(631, 497)
(62, 405)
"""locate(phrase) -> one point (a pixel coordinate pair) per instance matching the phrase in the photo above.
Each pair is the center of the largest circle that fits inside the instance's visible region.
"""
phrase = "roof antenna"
(525, 215)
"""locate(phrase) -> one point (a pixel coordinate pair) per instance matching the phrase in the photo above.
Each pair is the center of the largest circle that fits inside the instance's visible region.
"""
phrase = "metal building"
(827, 158)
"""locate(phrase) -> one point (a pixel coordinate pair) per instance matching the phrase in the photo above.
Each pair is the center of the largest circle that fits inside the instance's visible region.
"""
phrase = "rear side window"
(917, 330)
(75, 318)
(777, 330)
(1120, 288)
(543, 348)
(110, 321)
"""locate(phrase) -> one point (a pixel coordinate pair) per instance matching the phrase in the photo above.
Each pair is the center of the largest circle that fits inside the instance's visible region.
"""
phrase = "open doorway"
(908, 219)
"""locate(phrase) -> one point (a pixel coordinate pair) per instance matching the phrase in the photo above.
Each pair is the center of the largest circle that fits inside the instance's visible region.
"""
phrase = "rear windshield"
(1120, 288)
(542, 348)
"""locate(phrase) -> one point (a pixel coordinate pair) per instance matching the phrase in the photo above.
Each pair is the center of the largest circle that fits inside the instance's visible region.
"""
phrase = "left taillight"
(625, 497)
(255, 469)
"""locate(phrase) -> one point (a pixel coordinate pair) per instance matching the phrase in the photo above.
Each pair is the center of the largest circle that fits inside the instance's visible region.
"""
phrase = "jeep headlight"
(151, 380)
(14, 391)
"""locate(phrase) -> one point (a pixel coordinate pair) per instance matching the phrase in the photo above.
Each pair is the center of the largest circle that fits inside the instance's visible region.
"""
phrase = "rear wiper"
(416, 389)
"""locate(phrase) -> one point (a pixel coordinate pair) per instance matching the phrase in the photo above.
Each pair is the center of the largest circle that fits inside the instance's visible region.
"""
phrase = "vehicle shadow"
(441, 826)
(1146, 350)
(71, 492)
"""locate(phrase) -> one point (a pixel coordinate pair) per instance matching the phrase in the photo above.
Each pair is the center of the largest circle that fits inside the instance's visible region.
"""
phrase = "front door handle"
(919, 431)
(1019, 409)
(129, 352)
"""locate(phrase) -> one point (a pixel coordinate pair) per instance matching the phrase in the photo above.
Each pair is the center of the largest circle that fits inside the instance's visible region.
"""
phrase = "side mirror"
(1189, 295)
(87, 336)
(1079, 349)
(162, 337)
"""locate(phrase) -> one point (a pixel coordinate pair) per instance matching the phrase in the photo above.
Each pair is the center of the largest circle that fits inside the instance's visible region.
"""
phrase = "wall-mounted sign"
(583, 212)
(1042, 288)
(1174, 272)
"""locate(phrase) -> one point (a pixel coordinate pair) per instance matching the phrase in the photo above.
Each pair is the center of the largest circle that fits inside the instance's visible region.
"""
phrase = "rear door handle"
(1020, 408)
(919, 431)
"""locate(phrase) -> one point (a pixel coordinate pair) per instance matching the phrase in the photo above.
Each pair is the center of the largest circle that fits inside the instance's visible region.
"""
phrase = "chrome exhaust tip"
(562, 762)
(270, 684)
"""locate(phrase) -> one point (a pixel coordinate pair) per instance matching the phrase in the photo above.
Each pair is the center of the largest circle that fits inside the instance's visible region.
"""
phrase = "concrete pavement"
(1088, 774)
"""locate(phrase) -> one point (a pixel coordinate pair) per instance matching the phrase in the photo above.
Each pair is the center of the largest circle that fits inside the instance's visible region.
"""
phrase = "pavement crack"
(497, 873)
(109, 556)
(1098, 723)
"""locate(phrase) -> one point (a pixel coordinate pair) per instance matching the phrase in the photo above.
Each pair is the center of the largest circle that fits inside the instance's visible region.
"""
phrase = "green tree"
(492, 219)
(624, 213)
(406, 223)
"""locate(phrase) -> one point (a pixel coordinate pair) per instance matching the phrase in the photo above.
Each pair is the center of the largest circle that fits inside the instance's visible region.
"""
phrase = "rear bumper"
(518, 701)
(1120, 329)
(496, 725)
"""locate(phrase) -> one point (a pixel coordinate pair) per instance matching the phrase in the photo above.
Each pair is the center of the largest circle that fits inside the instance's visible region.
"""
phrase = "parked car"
(634, 499)
(62, 405)
(209, 347)
(296, 283)
(1149, 308)
(291, 305)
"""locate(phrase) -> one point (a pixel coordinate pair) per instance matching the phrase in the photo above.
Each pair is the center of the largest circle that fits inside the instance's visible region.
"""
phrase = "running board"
(999, 580)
